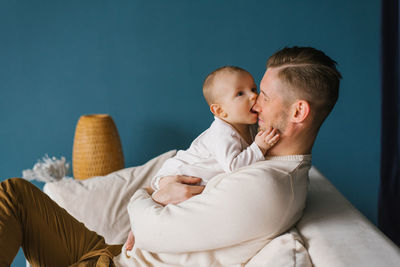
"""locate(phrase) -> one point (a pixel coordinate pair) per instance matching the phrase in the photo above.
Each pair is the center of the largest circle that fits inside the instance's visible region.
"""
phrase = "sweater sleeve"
(232, 209)
(227, 148)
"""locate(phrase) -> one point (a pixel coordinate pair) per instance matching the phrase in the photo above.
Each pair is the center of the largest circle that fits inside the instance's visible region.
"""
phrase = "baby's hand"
(266, 139)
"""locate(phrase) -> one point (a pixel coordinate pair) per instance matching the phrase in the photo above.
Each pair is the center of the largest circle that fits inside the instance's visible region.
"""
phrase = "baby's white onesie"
(218, 149)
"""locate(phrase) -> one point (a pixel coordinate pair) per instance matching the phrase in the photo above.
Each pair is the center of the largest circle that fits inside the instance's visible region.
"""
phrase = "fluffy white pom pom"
(47, 170)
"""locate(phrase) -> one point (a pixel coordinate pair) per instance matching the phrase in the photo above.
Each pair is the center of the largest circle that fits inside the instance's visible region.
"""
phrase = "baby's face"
(237, 93)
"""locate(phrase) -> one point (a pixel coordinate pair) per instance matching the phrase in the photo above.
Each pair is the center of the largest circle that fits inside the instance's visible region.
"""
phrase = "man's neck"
(286, 151)
(293, 145)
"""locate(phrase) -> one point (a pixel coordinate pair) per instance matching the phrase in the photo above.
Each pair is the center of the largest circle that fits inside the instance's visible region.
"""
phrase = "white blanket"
(104, 199)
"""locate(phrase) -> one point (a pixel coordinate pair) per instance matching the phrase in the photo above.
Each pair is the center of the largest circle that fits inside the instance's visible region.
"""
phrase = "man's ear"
(217, 110)
(300, 111)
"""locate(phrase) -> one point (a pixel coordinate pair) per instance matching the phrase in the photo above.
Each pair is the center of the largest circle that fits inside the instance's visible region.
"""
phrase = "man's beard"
(280, 123)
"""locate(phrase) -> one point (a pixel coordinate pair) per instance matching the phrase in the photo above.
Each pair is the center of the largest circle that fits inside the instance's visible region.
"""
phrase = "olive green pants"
(48, 234)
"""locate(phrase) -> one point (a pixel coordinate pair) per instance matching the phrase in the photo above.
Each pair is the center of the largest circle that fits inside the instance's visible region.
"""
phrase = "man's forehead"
(270, 81)
(264, 86)
(263, 93)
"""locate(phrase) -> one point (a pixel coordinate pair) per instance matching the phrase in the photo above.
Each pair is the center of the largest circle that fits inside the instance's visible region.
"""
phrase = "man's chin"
(261, 126)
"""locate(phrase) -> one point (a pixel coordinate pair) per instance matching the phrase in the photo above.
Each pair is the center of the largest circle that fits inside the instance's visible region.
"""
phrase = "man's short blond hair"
(310, 75)
(208, 85)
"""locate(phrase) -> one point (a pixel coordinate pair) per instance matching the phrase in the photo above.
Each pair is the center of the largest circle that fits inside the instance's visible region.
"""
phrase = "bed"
(330, 233)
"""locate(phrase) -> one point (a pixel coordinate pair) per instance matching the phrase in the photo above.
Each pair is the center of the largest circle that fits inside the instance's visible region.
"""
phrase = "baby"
(228, 144)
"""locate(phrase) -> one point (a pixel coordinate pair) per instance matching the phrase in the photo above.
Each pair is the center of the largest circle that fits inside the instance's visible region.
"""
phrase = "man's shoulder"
(277, 167)
(265, 173)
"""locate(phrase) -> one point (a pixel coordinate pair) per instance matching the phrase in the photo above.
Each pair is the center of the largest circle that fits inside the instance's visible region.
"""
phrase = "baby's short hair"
(208, 85)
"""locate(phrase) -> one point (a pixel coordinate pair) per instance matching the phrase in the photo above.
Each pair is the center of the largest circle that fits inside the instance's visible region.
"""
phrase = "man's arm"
(177, 188)
(232, 211)
(174, 189)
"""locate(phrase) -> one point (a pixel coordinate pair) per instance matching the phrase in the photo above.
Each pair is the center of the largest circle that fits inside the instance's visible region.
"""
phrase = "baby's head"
(231, 93)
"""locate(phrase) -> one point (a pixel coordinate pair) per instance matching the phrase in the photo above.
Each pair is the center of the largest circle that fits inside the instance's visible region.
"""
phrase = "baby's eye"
(239, 94)
(254, 90)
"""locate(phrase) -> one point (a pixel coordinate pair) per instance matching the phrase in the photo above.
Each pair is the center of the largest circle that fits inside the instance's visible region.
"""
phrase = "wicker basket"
(97, 148)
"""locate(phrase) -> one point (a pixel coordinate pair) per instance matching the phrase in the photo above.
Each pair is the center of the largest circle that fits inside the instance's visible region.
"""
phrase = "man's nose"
(256, 106)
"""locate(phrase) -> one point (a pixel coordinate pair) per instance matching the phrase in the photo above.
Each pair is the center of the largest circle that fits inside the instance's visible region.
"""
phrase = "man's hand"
(130, 241)
(177, 188)
(266, 139)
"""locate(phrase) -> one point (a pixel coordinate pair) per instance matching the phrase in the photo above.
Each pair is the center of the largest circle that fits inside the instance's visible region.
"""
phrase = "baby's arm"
(266, 139)
(229, 153)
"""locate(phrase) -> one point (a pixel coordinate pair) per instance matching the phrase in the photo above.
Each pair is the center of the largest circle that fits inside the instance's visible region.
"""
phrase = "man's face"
(270, 105)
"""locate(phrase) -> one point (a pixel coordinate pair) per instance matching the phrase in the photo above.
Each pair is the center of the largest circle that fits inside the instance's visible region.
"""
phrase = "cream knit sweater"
(235, 217)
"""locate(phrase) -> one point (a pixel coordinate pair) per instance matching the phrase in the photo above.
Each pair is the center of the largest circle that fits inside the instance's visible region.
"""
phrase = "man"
(234, 217)
(300, 80)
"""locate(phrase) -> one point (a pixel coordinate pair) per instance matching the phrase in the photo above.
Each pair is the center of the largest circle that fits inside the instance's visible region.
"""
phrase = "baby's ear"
(217, 110)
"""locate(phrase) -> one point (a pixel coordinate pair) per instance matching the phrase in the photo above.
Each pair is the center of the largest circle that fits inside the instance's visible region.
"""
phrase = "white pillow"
(285, 250)
(100, 202)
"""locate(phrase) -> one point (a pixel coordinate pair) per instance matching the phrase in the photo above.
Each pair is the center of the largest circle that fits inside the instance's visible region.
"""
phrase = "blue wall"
(143, 62)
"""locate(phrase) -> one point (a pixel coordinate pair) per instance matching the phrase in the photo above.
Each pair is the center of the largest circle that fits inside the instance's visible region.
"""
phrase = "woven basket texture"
(97, 149)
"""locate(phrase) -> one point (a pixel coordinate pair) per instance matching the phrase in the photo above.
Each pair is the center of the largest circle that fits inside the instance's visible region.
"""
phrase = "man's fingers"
(175, 192)
(188, 179)
(130, 241)
(196, 189)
